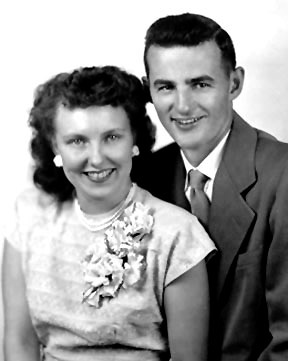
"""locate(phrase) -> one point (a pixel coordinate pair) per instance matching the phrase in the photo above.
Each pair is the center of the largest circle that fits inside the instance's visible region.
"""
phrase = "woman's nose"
(95, 154)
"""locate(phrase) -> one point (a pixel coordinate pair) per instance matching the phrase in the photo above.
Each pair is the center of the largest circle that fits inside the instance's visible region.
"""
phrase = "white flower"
(104, 276)
(133, 268)
(139, 218)
(118, 240)
(121, 264)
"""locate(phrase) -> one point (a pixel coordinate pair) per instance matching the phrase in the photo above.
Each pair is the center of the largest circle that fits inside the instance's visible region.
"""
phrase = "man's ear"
(145, 83)
(54, 146)
(236, 82)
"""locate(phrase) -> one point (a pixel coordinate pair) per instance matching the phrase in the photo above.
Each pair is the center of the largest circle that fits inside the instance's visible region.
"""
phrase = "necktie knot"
(197, 179)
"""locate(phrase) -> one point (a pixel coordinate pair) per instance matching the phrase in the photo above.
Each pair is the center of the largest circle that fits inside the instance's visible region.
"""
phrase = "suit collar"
(239, 153)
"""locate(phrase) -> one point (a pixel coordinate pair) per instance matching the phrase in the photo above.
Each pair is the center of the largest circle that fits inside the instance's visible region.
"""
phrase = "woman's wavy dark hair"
(82, 88)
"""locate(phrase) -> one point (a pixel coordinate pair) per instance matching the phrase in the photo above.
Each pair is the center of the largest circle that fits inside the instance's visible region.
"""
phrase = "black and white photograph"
(144, 187)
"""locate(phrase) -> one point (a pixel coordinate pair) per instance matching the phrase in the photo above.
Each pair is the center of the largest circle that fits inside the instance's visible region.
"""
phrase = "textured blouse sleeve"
(189, 245)
(11, 229)
(19, 218)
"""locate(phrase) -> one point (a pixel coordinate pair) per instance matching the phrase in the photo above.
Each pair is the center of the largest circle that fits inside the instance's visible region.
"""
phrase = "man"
(193, 79)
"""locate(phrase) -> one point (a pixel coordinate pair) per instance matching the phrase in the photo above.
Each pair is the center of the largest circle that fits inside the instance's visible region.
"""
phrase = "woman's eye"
(77, 141)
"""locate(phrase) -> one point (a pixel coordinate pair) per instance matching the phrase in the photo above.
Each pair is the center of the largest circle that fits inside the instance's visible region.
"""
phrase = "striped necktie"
(199, 201)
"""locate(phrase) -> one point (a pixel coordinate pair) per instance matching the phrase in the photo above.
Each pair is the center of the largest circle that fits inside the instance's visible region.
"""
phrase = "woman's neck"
(96, 222)
(98, 206)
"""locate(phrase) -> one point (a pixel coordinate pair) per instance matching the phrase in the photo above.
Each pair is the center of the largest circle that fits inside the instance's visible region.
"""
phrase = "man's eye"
(112, 137)
(164, 88)
(202, 85)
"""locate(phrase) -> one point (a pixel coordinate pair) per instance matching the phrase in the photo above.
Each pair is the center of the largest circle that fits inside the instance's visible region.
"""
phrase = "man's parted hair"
(189, 30)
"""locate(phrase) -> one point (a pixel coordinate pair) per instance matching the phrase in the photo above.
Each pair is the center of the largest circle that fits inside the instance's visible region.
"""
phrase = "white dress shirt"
(208, 166)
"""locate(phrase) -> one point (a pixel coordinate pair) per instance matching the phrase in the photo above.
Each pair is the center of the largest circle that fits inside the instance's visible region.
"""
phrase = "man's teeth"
(188, 121)
(99, 175)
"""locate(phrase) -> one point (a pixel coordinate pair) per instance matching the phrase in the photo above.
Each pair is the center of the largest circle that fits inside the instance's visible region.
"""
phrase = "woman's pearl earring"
(58, 161)
(135, 151)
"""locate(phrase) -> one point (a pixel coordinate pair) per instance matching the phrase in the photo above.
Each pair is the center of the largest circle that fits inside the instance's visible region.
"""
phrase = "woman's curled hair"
(82, 88)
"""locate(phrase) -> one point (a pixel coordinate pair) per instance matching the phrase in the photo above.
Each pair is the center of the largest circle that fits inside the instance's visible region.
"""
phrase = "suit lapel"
(175, 175)
(230, 216)
(229, 221)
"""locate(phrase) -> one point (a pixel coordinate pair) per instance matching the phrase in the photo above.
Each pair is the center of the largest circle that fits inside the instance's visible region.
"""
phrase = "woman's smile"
(95, 144)
(100, 175)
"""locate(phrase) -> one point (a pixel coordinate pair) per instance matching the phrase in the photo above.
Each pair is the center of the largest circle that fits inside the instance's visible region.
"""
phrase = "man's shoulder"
(270, 150)
(268, 144)
(246, 139)
(251, 150)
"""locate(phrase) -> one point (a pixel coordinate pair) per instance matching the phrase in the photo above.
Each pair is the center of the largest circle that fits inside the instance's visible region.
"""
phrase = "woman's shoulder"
(178, 238)
(34, 205)
(31, 209)
(174, 221)
(166, 210)
(27, 209)
(33, 199)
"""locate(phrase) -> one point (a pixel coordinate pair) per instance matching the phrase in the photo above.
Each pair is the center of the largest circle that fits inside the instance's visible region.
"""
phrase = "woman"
(96, 268)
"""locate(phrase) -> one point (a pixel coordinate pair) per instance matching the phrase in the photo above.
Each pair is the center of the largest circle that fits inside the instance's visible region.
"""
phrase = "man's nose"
(184, 101)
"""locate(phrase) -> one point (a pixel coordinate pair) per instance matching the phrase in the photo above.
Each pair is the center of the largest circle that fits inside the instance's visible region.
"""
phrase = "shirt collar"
(210, 164)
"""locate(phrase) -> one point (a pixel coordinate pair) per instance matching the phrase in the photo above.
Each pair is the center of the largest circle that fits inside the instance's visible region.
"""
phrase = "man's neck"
(196, 157)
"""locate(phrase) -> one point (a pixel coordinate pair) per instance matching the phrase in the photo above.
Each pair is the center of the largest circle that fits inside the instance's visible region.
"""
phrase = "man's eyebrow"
(162, 81)
(199, 79)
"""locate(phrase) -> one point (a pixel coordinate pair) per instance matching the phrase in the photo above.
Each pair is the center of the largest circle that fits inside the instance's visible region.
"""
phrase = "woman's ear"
(135, 151)
(236, 82)
(58, 161)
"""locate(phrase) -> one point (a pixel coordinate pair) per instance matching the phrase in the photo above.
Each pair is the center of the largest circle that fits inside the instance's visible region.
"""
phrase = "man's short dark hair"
(189, 30)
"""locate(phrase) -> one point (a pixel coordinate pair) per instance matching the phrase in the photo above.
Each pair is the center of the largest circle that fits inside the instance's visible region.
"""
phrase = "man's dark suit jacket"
(249, 223)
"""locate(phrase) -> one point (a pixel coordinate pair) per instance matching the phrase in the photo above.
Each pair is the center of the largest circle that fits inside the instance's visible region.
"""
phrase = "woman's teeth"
(99, 175)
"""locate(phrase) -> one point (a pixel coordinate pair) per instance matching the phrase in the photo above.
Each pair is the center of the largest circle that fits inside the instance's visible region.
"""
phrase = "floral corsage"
(121, 264)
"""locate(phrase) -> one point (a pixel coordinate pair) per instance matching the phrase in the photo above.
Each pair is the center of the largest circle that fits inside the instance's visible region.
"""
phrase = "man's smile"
(187, 121)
